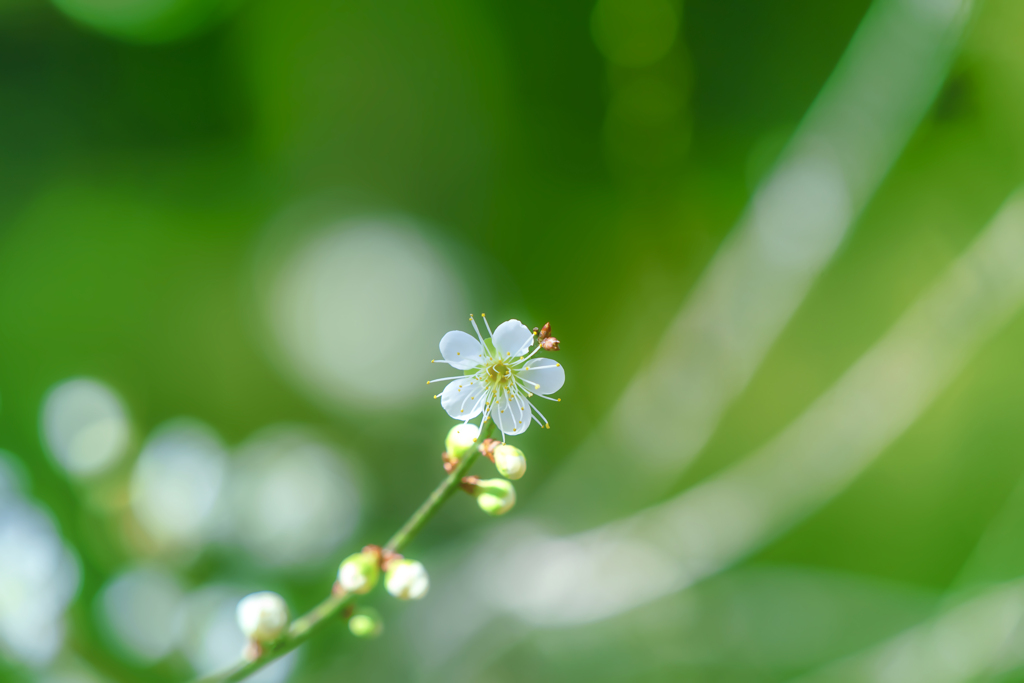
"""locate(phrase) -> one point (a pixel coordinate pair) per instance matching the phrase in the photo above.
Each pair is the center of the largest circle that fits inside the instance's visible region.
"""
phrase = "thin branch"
(305, 626)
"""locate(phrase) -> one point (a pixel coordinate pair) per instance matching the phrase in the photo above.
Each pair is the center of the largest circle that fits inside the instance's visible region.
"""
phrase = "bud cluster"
(263, 617)
(497, 496)
(544, 338)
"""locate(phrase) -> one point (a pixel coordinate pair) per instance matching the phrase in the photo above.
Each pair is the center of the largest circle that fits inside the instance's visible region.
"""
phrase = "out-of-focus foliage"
(232, 234)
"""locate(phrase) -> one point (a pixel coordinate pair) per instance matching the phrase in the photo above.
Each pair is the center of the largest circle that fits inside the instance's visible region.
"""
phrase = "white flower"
(263, 617)
(500, 376)
(407, 579)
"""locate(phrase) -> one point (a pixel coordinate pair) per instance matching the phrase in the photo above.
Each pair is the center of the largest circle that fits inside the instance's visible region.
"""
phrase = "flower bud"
(366, 623)
(460, 439)
(495, 496)
(359, 573)
(407, 580)
(510, 461)
(262, 617)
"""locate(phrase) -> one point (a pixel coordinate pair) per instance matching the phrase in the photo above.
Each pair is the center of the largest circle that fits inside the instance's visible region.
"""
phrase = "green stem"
(432, 504)
(305, 626)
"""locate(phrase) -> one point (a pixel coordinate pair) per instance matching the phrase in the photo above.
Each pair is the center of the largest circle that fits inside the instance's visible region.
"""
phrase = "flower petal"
(461, 350)
(512, 338)
(511, 418)
(542, 376)
(463, 399)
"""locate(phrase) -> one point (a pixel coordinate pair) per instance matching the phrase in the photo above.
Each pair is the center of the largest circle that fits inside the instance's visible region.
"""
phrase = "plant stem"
(432, 504)
(305, 626)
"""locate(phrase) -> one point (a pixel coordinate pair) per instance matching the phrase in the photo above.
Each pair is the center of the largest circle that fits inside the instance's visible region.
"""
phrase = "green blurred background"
(233, 231)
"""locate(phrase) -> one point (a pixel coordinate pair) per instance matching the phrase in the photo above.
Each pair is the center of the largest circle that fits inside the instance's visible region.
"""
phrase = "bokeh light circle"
(293, 498)
(39, 577)
(634, 32)
(176, 482)
(141, 607)
(147, 21)
(85, 426)
(358, 308)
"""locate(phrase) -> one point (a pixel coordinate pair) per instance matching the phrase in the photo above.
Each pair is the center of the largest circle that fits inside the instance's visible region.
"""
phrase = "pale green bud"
(460, 439)
(358, 573)
(407, 579)
(262, 617)
(495, 496)
(366, 623)
(510, 461)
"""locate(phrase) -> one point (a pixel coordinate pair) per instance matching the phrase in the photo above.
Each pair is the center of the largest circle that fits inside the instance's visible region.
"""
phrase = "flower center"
(497, 374)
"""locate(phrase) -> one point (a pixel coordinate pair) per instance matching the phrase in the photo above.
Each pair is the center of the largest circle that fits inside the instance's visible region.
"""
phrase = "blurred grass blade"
(725, 518)
(795, 222)
(608, 570)
(975, 640)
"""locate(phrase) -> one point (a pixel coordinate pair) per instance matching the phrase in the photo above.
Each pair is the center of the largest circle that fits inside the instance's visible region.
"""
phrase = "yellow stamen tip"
(558, 400)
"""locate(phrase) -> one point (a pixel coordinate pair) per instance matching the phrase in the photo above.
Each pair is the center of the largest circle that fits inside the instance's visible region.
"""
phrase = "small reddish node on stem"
(487, 448)
(470, 483)
(337, 591)
(449, 463)
(383, 556)
(387, 557)
(252, 651)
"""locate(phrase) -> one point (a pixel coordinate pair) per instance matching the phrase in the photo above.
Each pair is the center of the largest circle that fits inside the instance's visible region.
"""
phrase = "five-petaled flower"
(500, 376)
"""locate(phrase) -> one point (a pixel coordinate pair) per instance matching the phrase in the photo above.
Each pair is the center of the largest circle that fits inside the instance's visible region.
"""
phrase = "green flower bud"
(358, 573)
(460, 439)
(407, 579)
(262, 617)
(366, 623)
(510, 461)
(495, 496)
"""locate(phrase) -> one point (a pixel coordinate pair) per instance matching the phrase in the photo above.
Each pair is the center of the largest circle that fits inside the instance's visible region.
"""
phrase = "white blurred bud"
(366, 623)
(262, 617)
(359, 573)
(510, 461)
(495, 496)
(460, 439)
(407, 579)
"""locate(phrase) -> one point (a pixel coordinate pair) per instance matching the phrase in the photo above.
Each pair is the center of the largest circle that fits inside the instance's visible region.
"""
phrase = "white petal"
(512, 338)
(461, 350)
(511, 418)
(542, 376)
(463, 398)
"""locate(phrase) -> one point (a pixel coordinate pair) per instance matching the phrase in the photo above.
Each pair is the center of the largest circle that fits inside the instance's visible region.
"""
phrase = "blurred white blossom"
(39, 577)
(176, 482)
(85, 426)
(292, 497)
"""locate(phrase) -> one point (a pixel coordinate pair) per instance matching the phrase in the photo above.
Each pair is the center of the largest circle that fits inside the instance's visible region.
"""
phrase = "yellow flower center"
(497, 374)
